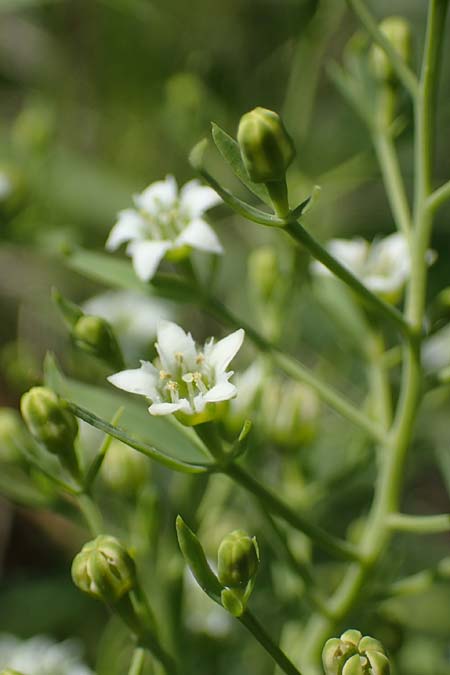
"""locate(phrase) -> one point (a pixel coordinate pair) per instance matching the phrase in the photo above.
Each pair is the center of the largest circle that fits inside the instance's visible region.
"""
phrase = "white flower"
(184, 380)
(41, 656)
(165, 222)
(383, 266)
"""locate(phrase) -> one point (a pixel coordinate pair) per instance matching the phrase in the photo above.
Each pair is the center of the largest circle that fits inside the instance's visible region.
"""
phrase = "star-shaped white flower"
(166, 222)
(383, 266)
(184, 379)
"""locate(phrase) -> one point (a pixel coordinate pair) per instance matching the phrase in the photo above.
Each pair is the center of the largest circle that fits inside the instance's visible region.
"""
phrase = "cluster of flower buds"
(52, 424)
(267, 151)
(104, 569)
(353, 654)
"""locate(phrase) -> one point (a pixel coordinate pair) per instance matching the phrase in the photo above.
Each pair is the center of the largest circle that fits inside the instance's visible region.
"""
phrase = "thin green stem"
(277, 507)
(419, 524)
(91, 514)
(393, 180)
(301, 236)
(137, 662)
(405, 75)
(264, 639)
(380, 390)
(439, 197)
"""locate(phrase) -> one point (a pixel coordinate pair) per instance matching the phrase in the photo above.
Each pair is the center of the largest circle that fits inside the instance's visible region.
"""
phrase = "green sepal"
(70, 312)
(308, 204)
(230, 151)
(379, 662)
(368, 643)
(240, 445)
(353, 666)
(195, 558)
(232, 601)
(352, 635)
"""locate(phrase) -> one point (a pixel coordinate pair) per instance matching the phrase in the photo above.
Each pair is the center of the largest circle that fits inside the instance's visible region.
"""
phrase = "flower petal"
(130, 225)
(199, 234)
(162, 194)
(172, 341)
(196, 198)
(146, 256)
(222, 391)
(169, 408)
(141, 380)
(221, 353)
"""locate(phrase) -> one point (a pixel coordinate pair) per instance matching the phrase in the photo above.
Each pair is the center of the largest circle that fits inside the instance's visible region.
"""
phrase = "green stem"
(419, 524)
(137, 662)
(405, 75)
(390, 479)
(439, 197)
(264, 639)
(380, 390)
(277, 507)
(393, 181)
(301, 236)
(91, 514)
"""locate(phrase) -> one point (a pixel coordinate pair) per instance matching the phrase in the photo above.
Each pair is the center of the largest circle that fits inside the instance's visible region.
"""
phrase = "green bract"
(94, 335)
(352, 654)
(104, 569)
(266, 148)
(237, 559)
(49, 420)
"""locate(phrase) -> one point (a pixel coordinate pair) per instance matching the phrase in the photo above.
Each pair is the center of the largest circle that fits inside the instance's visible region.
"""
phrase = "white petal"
(141, 380)
(199, 234)
(225, 350)
(196, 198)
(146, 256)
(165, 408)
(221, 392)
(162, 194)
(130, 225)
(173, 340)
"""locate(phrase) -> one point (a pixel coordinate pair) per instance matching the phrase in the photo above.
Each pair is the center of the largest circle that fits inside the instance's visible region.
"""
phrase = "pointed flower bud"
(266, 148)
(238, 559)
(352, 654)
(398, 32)
(104, 569)
(94, 334)
(49, 420)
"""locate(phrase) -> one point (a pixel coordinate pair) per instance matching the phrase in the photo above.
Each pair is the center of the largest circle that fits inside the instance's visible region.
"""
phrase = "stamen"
(189, 378)
(200, 359)
(199, 382)
(172, 388)
(164, 375)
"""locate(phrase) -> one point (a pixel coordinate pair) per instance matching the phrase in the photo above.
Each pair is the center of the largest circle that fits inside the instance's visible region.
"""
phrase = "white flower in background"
(133, 316)
(383, 266)
(40, 655)
(184, 380)
(436, 351)
(166, 222)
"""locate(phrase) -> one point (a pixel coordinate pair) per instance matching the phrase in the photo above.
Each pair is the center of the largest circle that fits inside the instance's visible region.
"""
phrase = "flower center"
(185, 382)
(166, 223)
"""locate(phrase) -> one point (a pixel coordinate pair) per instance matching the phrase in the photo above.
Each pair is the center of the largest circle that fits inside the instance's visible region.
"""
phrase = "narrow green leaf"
(69, 311)
(196, 560)
(229, 149)
(177, 445)
(114, 272)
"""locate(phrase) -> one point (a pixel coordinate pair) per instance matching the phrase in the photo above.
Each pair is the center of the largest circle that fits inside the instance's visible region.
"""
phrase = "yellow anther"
(179, 357)
(200, 358)
(163, 375)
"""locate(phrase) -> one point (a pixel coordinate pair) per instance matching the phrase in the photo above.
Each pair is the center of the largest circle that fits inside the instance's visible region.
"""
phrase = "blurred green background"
(99, 98)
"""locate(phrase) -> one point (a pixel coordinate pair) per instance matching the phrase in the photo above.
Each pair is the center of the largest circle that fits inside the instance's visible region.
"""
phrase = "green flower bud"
(49, 420)
(104, 569)
(352, 654)
(263, 270)
(398, 32)
(95, 336)
(124, 470)
(266, 148)
(238, 559)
